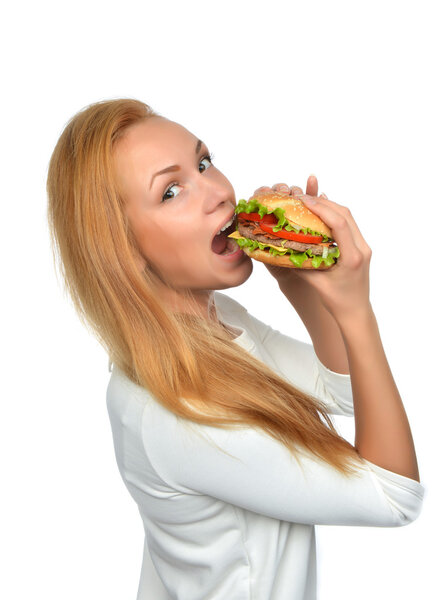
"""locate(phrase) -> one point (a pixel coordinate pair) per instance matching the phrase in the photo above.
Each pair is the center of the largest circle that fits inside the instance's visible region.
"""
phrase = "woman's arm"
(383, 435)
(353, 345)
(248, 468)
(322, 327)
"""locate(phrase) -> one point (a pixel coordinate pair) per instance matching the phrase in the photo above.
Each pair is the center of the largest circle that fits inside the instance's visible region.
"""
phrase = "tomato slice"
(268, 218)
(306, 238)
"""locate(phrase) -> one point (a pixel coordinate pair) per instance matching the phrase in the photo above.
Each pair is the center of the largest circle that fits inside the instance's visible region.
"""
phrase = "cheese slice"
(236, 235)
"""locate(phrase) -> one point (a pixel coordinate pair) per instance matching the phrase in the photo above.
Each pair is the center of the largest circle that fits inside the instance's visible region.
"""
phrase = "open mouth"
(221, 244)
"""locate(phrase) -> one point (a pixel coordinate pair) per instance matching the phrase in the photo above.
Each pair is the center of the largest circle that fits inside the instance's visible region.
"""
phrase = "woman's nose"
(216, 193)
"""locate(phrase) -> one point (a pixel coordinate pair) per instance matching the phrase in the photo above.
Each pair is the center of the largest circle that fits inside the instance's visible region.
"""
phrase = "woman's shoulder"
(123, 393)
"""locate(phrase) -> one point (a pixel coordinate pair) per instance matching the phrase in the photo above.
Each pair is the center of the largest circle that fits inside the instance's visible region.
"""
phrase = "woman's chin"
(237, 272)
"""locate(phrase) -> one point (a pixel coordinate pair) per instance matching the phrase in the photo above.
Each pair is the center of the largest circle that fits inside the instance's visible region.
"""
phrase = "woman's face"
(175, 215)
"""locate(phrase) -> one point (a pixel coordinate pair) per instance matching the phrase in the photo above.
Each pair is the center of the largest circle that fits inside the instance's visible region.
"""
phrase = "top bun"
(295, 210)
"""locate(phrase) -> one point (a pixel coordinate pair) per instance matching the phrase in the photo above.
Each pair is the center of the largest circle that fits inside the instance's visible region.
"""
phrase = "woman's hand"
(283, 275)
(344, 288)
(294, 190)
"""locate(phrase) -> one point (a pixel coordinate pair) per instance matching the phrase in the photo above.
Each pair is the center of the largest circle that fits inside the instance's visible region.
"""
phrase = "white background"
(353, 92)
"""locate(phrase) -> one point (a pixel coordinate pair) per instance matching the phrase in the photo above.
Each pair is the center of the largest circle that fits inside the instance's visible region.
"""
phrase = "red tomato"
(306, 238)
(268, 218)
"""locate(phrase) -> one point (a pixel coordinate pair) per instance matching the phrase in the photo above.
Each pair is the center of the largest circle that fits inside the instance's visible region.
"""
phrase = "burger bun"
(278, 260)
(295, 210)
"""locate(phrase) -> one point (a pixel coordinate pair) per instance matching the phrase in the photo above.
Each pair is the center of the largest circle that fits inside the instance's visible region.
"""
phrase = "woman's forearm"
(383, 435)
(323, 329)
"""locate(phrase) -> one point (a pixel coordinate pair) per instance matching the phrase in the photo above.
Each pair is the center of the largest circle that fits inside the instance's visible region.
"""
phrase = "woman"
(208, 405)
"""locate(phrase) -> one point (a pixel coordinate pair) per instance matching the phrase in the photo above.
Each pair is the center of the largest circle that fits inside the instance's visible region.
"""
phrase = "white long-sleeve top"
(229, 515)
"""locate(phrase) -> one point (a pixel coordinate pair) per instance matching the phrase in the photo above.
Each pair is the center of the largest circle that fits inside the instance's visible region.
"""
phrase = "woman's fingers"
(340, 226)
(346, 213)
(312, 185)
(263, 188)
(296, 191)
(281, 187)
(311, 190)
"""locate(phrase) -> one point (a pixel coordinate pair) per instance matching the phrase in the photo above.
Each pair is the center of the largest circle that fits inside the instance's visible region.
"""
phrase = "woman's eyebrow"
(174, 167)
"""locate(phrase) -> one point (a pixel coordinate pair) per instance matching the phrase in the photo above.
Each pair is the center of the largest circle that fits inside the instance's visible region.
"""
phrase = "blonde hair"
(186, 362)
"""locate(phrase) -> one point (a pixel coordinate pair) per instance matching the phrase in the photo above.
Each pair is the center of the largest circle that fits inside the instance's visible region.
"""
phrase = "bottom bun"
(278, 260)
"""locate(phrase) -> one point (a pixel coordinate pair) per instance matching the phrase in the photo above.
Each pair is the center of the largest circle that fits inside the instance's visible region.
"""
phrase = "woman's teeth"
(220, 241)
(229, 222)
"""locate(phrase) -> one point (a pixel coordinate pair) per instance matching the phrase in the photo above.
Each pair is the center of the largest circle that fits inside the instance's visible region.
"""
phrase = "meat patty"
(246, 231)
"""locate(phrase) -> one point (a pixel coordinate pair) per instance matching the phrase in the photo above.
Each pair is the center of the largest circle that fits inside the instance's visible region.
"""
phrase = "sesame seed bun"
(295, 210)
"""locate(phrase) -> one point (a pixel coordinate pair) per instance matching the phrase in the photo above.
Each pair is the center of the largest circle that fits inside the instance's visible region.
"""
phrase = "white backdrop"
(353, 92)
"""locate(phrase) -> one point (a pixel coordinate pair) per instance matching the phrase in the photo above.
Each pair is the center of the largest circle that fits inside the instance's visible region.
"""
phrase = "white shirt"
(229, 515)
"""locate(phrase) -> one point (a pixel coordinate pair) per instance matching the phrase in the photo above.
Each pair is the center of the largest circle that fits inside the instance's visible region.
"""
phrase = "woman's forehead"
(157, 131)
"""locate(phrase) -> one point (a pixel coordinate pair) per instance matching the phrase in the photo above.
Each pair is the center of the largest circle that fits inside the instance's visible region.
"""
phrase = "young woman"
(221, 424)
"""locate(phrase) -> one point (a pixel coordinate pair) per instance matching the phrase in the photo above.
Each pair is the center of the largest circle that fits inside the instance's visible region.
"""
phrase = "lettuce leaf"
(283, 223)
(297, 258)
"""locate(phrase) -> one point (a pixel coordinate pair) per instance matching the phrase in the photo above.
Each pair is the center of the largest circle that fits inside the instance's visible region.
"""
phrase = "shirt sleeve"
(249, 469)
(297, 362)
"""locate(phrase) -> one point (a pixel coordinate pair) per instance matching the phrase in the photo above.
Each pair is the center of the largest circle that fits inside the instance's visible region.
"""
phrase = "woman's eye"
(168, 191)
(208, 157)
(166, 196)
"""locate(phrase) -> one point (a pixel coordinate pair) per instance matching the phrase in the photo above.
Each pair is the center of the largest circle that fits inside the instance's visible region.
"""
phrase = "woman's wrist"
(350, 319)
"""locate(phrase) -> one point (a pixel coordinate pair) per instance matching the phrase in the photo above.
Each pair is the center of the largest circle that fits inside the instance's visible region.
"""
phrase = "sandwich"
(278, 229)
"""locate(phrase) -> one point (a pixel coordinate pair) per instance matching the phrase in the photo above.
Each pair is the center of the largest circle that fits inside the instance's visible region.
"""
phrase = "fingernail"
(309, 200)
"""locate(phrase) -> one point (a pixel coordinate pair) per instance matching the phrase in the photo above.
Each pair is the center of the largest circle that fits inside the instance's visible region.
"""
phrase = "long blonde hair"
(187, 363)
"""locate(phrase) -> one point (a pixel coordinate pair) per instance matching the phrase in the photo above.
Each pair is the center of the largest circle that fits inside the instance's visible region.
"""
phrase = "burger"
(278, 229)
